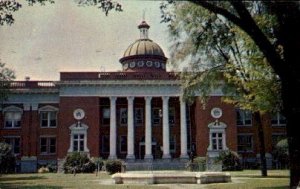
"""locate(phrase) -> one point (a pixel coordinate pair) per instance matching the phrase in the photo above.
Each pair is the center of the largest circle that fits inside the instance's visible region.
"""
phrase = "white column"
(148, 130)
(183, 130)
(130, 129)
(113, 129)
(166, 129)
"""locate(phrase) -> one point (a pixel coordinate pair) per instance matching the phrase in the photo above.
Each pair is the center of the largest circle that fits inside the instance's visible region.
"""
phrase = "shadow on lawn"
(19, 186)
(274, 187)
(21, 177)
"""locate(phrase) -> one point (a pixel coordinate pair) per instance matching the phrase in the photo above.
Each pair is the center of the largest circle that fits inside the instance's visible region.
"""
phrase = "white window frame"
(48, 145)
(243, 114)
(13, 110)
(217, 127)
(279, 118)
(78, 129)
(252, 142)
(48, 110)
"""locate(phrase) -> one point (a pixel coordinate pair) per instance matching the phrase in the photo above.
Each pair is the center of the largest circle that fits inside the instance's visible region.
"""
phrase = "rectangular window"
(123, 144)
(15, 144)
(245, 143)
(138, 116)
(123, 116)
(12, 119)
(48, 119)
(106, 116)
(171, 116)
(217, 141)
(173, 143)
(278, 120)
(47, 145)
(78, 142)
(243, 117)
(105, 144)
(156, 113)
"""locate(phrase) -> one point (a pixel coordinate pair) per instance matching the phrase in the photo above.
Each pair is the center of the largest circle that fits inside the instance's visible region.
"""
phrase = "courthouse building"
(137, 114)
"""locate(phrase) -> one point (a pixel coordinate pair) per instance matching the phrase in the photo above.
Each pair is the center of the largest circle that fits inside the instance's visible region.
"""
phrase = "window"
(245, 143)
(123, 116)
(48, 119)
(278, 120)
(171, 116)
(78, 142)
(156, 113)
(47, 145)
(243, 117)
(12, 119)
(217, 141)
(123, 144)
(15, 143)
(105, 116)
(173, 144)
(138, 116)
(105, 144)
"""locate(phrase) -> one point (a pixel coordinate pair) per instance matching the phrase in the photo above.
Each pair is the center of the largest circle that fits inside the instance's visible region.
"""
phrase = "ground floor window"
(245, 143)
(173, 143)
(217, 141)
(15, 144)
(47, 145)
(78, 142)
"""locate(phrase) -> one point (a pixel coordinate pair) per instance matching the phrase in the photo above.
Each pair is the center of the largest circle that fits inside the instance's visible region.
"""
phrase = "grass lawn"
(241, 179)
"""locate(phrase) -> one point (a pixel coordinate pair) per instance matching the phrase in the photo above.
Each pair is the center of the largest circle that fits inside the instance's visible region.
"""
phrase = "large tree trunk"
(261, 138)
(291, 104)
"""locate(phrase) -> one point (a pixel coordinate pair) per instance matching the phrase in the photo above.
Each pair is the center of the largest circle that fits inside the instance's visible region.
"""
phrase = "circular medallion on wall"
(125, 66)
(216, 113)
(78, 114)
(149, 63)
(140, 63)
(157, 64)
(132, 64)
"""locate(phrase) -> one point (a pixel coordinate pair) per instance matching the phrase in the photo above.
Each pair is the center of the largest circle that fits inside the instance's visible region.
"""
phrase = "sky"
(46, 40)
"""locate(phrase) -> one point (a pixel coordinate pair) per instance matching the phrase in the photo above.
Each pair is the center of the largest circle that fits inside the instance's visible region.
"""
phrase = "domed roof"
(144, 47)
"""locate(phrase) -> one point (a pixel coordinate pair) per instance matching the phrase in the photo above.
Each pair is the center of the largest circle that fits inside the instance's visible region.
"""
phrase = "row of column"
(148, 129)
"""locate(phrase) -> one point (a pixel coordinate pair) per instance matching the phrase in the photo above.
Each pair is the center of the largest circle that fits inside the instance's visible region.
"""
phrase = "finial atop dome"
(143, 29)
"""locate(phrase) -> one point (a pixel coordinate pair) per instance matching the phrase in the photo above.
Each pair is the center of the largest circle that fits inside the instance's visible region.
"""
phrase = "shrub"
(77, 162)
(198, 164)
(7, 158)
(230, 161)
(113, 166)
(98, 161)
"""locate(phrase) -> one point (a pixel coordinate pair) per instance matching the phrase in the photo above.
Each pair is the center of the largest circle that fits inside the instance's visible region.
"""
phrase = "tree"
(7, 159)
(6, 75)
(221, 51)
(282, 55)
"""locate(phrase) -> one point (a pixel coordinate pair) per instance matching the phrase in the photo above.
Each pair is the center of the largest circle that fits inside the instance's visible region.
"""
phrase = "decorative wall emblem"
(132, 64)
(216, 113)
(157, 64)
(140, 63)
(79, 114)
(149, 63)
(126, 66)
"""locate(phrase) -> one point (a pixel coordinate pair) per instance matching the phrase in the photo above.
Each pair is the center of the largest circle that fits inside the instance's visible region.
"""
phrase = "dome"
(144, 47)
(144, 55)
